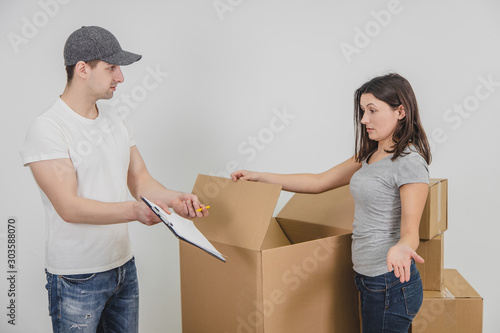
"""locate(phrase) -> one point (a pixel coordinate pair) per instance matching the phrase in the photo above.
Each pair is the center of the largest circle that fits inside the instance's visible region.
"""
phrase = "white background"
(232, 64)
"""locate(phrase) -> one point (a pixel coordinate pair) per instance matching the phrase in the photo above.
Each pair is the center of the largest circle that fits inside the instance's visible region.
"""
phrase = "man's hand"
(146, 216)
(186, 205)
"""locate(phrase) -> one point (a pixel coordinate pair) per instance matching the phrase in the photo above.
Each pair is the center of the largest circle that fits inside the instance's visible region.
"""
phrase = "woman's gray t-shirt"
(377, 214)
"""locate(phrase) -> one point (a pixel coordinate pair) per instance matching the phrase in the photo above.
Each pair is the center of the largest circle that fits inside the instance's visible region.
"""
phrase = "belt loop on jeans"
(120, 275)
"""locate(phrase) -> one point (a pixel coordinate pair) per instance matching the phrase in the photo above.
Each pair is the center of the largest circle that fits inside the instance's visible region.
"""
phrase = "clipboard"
(184, 229)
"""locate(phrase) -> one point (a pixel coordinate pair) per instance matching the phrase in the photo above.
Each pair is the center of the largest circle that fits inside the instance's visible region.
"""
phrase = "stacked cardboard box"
(456, 308)
(450, 303)
(293, 273)
(433, 224)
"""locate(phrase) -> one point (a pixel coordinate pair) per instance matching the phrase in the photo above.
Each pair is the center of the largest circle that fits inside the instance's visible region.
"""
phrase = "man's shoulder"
(50, 119)
(54, 111)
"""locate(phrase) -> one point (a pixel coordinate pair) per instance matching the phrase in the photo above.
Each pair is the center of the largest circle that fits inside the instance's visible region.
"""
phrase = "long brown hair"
(394, 90)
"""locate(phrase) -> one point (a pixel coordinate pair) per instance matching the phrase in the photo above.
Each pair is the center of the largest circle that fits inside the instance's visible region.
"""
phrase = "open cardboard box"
(292, 273)
(457, 308)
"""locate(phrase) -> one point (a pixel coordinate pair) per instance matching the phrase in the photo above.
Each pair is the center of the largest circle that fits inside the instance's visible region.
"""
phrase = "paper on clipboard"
(184, 229)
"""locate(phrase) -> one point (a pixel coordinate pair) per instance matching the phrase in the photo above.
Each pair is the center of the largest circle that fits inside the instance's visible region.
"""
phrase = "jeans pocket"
(78, 278)
(374, 285)
(413, 295)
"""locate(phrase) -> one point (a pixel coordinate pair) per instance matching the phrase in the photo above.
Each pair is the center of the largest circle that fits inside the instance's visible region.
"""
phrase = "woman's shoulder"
(411, 155)
(411, 150)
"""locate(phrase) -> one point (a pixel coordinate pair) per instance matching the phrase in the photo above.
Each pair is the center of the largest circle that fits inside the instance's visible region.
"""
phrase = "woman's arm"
(337, 176)
(413, 198)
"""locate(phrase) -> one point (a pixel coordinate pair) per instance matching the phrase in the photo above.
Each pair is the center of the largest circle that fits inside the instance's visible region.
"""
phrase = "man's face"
(103, 80)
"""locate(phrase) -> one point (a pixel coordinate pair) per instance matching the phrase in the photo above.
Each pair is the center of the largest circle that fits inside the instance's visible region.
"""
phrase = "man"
(85, 161)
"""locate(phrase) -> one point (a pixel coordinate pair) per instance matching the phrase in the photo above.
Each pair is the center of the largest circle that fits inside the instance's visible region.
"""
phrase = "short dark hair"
(394, 90)
(70, 70)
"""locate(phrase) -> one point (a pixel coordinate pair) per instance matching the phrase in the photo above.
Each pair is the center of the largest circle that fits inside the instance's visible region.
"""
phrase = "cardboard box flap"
(240, 212)
(299, 231)
(332, 208)
(275, 237)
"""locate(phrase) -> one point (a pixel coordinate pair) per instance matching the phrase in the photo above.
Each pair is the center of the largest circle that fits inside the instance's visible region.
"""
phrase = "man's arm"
(141, 183)
(57, 179)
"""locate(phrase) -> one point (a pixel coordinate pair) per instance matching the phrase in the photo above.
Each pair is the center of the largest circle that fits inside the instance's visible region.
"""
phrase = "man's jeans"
(387, 305)
(99, 302)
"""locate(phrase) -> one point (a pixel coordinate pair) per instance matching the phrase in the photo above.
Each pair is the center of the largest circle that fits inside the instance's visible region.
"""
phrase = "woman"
(388, 177)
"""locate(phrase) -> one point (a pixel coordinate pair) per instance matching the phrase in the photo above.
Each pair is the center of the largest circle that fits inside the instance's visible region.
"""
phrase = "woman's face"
(379, 118)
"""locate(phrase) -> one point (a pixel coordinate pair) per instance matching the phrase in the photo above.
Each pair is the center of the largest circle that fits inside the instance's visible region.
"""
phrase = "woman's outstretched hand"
(399, 259)
(245, 175)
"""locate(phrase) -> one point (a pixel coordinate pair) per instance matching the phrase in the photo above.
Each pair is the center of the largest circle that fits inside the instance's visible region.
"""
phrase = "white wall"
(229, 70)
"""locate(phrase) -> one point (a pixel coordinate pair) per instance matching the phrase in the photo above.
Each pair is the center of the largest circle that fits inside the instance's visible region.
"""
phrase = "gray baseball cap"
(96, 43)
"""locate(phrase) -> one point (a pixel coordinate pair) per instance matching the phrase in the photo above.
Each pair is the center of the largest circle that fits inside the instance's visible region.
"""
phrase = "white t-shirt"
(100, 152)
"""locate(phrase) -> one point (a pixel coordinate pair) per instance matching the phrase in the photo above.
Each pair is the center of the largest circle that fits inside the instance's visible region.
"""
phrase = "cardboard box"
(289, 274)
(458, 308)
(434, 219)
(431, 271)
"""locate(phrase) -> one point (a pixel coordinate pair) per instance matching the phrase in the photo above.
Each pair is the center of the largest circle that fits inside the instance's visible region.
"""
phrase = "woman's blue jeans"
(97, 302)
(387, 305)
